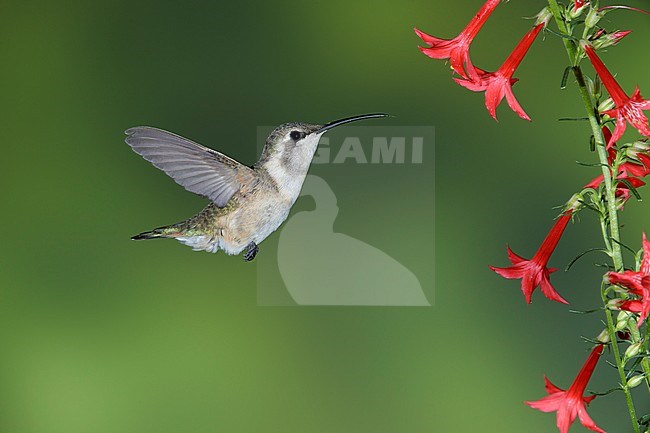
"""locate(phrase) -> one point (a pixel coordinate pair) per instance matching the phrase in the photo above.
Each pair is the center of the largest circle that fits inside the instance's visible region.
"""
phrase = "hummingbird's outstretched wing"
(197, 168)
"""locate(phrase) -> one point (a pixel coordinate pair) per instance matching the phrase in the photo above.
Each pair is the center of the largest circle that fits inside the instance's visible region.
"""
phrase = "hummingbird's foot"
(251, 251)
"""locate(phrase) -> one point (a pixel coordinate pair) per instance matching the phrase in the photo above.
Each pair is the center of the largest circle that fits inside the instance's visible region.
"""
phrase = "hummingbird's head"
(291, 146)
(291, 143)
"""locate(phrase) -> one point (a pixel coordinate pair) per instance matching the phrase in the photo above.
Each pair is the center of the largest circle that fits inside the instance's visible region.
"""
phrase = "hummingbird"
(247, 204)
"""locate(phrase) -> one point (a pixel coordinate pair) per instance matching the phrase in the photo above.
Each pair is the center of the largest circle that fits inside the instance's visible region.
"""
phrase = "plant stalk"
(609, 180)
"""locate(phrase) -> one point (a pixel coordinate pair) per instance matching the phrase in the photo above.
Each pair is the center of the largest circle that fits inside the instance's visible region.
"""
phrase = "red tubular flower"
(628, 108)
(638, 283)
(457, 49)
(499, 84)
(534, 272)
(570, 404)
(578, 4)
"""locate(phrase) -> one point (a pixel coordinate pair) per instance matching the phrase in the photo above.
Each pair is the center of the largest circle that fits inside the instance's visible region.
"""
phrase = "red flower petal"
(498, 84)
(629, 109)
(535, 272)
(457, 49)
(570, 404)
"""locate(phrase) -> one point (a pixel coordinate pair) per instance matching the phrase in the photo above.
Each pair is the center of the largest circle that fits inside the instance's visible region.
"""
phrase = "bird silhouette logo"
(339, 269)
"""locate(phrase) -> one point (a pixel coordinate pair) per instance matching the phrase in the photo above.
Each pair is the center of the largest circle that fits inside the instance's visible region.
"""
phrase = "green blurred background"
(101, 334)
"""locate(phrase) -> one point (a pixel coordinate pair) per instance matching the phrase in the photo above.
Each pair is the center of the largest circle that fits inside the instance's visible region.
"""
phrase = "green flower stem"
(610, 192)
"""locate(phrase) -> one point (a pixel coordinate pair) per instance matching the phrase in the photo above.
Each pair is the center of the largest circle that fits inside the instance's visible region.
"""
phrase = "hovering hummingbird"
(247, 203)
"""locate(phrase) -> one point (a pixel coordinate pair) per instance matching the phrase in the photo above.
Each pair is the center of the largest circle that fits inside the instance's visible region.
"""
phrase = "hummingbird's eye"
(297, 135)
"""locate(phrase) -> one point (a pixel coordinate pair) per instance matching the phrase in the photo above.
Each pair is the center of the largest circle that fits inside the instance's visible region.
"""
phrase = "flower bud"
(621, 200)
(639, 146)
(632, 350)
(543, 17)
(621, 325)
(592, 18)
(575, 203)
(603, 337)
(614, 304)
(577, 9)
(606, 104)
(635, 381)
(622, 320)
(591, 88)
(624, 315)
(607, 40)
(621, 290)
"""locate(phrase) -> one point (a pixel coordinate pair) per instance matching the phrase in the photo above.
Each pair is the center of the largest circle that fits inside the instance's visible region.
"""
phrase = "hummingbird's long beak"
(340, 122)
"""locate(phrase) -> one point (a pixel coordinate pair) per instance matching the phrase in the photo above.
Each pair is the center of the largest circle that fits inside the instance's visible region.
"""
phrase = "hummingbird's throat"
(289, 167)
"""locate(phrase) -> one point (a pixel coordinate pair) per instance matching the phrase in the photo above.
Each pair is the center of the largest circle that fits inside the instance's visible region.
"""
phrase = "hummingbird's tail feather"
(145, 235)
(161, 232)
(192, 232)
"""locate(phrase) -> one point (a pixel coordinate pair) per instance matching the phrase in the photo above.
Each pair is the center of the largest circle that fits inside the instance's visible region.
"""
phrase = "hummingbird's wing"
(197, 168)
